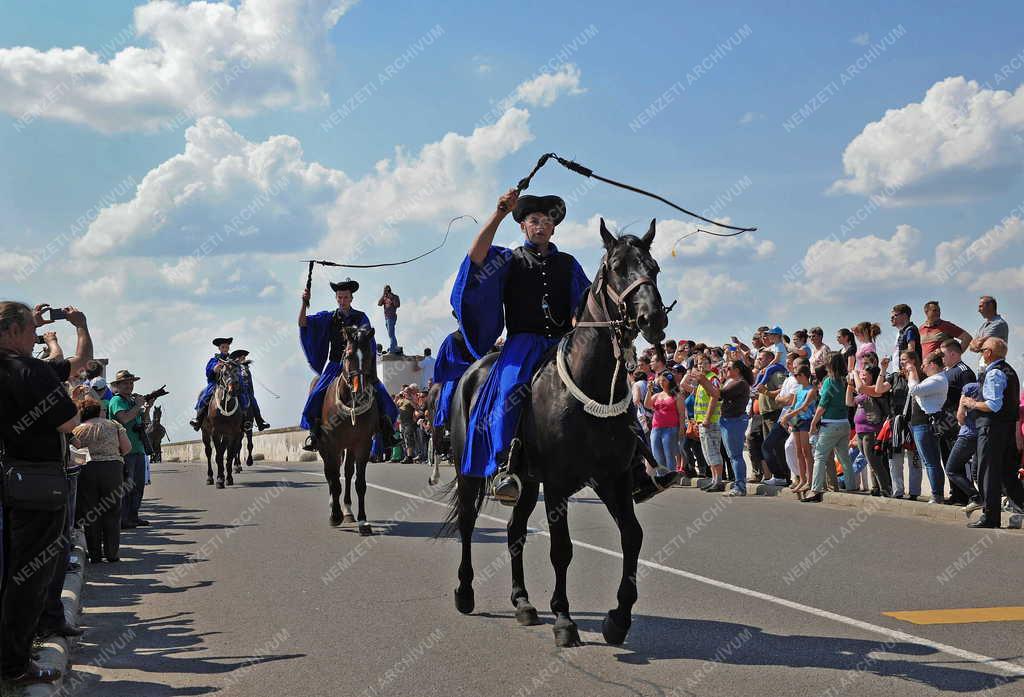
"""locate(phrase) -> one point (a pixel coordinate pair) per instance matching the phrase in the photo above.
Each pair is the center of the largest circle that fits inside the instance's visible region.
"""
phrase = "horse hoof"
(238, 469)
(526, 614)
(335, 520)
(365, 530)
(220, 483)
(231, 481)
(464, 601)
(614, 633)
(248, 462)
(567, 635)
(209, 480)
(349, 518)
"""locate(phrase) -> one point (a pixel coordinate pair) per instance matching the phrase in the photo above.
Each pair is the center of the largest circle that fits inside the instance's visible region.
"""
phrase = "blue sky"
(931, 109)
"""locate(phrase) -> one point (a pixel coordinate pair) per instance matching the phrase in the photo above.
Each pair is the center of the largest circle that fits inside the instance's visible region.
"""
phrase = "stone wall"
(274, 444)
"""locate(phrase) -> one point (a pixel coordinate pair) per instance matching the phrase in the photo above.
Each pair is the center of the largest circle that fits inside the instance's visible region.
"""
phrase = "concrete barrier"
(273, 445)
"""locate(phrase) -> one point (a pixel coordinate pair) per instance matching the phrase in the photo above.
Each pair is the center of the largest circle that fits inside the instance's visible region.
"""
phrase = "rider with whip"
(323, 342)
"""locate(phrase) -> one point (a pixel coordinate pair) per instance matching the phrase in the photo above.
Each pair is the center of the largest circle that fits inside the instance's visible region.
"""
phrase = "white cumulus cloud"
(960, 142)
(189, 60)
(544, 89)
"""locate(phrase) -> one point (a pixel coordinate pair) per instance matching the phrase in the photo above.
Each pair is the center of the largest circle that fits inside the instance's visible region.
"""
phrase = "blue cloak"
(478, 301)
(452, 361)
(315, 338)
(211, 383)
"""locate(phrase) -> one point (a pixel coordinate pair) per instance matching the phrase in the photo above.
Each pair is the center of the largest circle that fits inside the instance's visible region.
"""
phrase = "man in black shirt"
(957, 375)
(35, 412)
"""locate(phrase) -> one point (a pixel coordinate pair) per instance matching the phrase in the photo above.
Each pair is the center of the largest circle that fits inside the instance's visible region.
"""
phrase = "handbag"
(944, 425)
(35, 486)
(901, 428)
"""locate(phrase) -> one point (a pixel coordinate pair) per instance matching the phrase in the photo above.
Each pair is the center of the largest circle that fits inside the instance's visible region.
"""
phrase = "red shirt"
(933, 335)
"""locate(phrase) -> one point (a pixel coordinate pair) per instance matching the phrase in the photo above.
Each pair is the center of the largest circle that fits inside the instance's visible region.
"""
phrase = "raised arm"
(482, 243)
(83, 350)
(304, 307)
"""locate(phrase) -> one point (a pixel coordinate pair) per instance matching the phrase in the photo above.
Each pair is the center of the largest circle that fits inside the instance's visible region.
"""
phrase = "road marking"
(1004, 666)
(961, 615)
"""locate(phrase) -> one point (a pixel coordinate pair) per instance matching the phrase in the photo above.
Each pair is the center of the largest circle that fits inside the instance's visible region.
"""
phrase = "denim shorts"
(802, 426)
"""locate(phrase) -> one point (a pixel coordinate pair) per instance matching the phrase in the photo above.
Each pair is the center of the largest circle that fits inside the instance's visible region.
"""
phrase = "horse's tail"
(455, 495)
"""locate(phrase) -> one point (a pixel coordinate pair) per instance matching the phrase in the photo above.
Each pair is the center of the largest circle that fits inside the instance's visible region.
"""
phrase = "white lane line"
(1004, 666)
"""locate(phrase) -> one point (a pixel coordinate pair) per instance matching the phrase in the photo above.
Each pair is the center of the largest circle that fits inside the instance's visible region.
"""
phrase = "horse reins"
(620, 330)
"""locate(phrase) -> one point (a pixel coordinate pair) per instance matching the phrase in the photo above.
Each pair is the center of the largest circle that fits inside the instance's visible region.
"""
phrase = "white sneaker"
(774, 481)
(971, 507)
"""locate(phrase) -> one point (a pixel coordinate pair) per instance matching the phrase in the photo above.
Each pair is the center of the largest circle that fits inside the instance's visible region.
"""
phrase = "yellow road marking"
(961, 616)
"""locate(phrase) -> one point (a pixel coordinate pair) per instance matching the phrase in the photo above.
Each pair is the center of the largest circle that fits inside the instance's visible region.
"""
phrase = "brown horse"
(349, 420)
(224, 421)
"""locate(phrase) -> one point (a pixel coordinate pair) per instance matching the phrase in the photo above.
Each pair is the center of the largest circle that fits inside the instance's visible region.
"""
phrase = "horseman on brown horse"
(224, 420)
(347, 404)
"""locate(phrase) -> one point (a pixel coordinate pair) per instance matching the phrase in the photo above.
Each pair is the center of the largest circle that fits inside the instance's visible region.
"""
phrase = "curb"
(874, 504)
(55, 652)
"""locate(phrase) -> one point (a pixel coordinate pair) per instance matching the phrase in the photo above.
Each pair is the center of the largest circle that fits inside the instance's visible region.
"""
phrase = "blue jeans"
(390, 322)
(665, 445)
(928, 448)
(134, 472)
(960, 456)
(734, 432)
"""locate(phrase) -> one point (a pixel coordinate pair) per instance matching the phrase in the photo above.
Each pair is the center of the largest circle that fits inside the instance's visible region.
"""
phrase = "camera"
(140, 431)
(57, 313)
(160, 392)
(40, 340)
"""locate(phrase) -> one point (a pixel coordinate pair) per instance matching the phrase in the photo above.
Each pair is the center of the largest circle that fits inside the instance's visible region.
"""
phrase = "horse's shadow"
(654, 638)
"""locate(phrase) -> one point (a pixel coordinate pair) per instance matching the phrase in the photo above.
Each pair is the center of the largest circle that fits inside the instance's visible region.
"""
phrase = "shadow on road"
(658, 638)
(118, 639)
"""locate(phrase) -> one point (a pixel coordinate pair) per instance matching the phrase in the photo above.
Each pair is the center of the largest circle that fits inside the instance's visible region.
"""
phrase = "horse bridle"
(626, 328)
(224, 381)
(362, 397)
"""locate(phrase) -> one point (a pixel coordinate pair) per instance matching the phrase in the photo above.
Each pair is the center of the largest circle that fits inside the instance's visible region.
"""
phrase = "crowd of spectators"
(74, 455)
(816, 418)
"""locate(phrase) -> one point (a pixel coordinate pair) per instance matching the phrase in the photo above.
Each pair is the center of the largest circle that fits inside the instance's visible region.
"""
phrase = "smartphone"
(57, 313)
(40, 340)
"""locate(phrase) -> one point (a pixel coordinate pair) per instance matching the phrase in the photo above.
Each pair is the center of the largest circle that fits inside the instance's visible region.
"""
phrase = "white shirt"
(930, 393)
(427, 368)
(788, 389)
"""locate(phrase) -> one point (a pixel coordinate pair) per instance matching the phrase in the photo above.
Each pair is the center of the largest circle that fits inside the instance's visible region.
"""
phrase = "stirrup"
(506, 487)
(310, 444)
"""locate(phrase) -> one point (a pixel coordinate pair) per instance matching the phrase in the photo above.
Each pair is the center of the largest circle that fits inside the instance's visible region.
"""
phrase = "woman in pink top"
(669, 415)
(865, 334)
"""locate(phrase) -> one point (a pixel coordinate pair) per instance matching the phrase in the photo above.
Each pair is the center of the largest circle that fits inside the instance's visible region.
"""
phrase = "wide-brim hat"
(222, 340)
(348, 284)
(240, 353)
(551, 206)
(124, 376)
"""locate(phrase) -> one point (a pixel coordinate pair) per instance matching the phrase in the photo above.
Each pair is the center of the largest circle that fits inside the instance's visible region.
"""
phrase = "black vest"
(338, 342)
(1011, 399)
(538, 293)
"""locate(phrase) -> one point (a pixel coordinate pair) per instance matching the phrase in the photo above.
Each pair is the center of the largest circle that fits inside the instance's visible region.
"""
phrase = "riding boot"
(387, 433)
(507, 486)
(645, 486)
(312, 443)
(197, 423)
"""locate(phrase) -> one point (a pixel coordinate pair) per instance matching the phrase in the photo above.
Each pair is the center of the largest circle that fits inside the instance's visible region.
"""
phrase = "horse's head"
(228, 376)
(630, 277)
(360, 356)
(157, 413)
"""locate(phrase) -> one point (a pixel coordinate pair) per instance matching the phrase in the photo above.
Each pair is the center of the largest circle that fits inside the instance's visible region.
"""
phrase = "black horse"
(566, 447)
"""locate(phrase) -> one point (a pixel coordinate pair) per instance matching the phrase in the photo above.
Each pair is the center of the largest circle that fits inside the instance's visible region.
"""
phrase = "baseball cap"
(776, 330)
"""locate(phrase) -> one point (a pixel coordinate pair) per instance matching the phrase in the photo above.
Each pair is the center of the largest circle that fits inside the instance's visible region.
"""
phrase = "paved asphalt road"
(248, 591)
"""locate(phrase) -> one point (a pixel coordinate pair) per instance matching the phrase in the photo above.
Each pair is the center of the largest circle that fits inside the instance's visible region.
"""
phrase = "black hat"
(551, 206)
(347, 284)
(222, 340)
(240, 353)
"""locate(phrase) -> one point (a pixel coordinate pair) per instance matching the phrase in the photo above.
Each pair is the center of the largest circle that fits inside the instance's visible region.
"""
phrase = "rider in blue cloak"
(323, 342)
(223, 345)
(532, 292)
(453, 359)
(240, 356)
